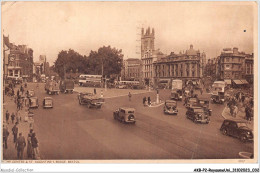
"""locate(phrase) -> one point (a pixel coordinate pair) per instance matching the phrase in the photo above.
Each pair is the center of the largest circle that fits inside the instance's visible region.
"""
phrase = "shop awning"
(238, 82)
(244, 81)
(228, 81)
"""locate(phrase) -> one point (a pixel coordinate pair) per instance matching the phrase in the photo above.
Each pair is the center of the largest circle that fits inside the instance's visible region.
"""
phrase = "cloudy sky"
(49, 27)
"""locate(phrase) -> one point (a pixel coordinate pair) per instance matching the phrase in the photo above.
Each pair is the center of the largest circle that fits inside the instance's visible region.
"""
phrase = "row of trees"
(107, 61)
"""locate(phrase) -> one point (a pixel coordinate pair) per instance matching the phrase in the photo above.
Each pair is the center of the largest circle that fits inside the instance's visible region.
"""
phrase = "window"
(227, 59)
(193, 74)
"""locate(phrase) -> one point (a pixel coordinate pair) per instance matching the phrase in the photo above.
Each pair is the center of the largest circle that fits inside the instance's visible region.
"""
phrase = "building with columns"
(185, 65)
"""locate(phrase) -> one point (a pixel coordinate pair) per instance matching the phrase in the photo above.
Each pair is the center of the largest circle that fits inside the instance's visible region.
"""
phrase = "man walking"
(95, 91)
(15, 132)
(12, 117)
(7, 115)
(129, 95)
(20, 144)
(5, 137)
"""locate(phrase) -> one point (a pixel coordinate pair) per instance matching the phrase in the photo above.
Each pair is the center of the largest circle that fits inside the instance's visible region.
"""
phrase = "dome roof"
(191, 51)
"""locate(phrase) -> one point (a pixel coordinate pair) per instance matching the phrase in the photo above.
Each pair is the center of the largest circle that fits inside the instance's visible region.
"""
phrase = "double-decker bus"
(90, 80)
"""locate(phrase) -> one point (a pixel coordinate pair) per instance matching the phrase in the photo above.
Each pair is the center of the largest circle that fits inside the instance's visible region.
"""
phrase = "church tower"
(147, 42)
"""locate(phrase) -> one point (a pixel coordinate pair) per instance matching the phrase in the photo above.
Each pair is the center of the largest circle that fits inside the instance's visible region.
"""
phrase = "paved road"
(72, 131)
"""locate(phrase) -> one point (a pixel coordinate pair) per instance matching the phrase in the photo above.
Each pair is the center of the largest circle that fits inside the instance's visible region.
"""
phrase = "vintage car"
(30, 93)
(197, 114)
(33, 102)
(189, 101)
(90, 99)
(186, 93)
(204, 103)
(176, 95)
(237, 128)
(217, 97)
(170, 107)
(125, 115)
(47, 102)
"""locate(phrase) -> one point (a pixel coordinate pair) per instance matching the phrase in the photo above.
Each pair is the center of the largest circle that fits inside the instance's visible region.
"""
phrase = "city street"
(73, 131)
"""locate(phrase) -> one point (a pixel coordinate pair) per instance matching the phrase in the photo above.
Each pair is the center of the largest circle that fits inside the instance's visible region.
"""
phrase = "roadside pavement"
(240, 116)
(23, 127)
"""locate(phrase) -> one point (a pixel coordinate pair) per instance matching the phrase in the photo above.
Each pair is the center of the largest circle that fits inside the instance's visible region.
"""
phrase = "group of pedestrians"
(19, 141)
(238, 101)
(14, 119)
(147, 102)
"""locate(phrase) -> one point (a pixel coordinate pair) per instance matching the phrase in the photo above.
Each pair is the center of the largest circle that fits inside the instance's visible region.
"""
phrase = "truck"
(67, 86)
(52, 87)
(176, 93)
(176, 84)
(90, 100)
(218, 92)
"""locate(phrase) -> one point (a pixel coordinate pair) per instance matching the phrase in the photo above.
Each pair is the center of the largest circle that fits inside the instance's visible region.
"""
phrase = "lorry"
(218, 92)
(90, 100)
(67, 86)
(52, 87)
(176, 93)
(176, 84)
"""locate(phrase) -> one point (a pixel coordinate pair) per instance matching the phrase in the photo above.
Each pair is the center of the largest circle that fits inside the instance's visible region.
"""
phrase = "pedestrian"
(95, 91)
(7, 115)
(129, 96)
(12, 117)
(149, 100)
(20, 145)
(29, 147)
(5, 137)
(18, 93)
(235, 110)
(144, 100)
(15, 132)
(35, 145)
(247, 111)
(201, 91)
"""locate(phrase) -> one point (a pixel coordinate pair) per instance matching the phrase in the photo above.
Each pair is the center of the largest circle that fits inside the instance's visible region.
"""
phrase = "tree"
(106, 59)
(68, 61)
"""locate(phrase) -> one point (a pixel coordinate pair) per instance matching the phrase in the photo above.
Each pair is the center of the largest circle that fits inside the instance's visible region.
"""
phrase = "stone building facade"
(235, 65)
(132, 69)
(185, 65)
(19, 61)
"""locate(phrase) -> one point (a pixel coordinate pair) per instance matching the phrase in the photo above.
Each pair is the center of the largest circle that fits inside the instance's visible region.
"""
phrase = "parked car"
(47, 102)
(170, 107)
(237, 128)
(125, 115)
(90, 100)
(30, 93)
(33, 102)
(197, 114)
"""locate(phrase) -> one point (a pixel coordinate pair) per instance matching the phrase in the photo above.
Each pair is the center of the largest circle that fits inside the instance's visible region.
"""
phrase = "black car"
(197, 114)
(237, 128)
(170, 107)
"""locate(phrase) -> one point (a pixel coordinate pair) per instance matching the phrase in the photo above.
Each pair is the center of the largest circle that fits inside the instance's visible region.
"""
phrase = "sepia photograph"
(161, 82)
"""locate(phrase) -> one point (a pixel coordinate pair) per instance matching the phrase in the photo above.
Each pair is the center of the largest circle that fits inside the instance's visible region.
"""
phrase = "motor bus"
(90, 80)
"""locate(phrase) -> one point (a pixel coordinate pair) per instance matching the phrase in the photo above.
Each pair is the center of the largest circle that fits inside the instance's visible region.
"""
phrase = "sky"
(49, 27)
